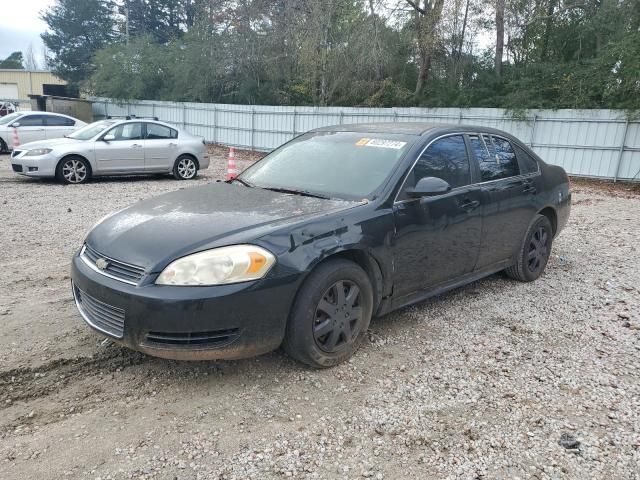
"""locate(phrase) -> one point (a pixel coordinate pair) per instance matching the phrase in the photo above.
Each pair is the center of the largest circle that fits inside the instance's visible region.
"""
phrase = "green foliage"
(77, 30)
(13, 61)
(559, 54)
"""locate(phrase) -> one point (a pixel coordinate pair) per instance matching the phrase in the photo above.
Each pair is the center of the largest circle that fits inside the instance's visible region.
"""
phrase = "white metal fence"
(591, 143)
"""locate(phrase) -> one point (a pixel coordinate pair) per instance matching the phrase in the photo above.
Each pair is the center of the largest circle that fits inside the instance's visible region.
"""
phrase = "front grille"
(101, 316)
(116, 269)
(215, 338)
(16, 168)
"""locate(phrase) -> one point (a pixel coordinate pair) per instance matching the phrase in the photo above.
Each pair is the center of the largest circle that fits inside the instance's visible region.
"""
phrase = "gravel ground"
(495, 380)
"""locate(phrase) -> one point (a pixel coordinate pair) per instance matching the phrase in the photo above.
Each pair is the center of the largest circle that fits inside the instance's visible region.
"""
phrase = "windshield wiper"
(297, 192)
(243, 182)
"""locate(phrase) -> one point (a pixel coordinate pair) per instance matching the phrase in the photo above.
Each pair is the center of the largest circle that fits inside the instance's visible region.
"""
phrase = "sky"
(20, 25)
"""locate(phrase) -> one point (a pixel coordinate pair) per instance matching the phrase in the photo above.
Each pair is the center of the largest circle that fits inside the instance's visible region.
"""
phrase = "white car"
(34, 126)
(132, 146)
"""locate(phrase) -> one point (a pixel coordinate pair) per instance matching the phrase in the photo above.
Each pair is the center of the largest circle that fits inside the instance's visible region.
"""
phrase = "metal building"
(19, 84)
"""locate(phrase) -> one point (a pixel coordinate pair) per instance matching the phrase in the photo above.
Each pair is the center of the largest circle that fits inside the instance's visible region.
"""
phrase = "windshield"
(9, 118)
(335, 164)
(91, 130)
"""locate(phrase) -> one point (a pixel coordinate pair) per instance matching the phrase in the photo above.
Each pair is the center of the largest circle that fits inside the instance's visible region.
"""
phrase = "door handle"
(135, 145)
(173, 144)
(529, 187)
(469, 205)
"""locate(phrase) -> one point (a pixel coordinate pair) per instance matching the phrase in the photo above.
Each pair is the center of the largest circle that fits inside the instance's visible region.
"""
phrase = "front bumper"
(42, 166)
(187, 323)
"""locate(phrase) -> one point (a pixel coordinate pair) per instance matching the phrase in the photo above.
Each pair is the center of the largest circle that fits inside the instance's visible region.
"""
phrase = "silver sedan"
(114, 147)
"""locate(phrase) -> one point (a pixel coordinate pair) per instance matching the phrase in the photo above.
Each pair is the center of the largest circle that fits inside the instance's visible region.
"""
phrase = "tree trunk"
(427, 19)
(551, 7)
(500, 5)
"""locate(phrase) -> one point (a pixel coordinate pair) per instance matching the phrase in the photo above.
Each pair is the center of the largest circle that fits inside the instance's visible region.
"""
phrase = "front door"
(437, 238)
(161, 145)
(31, 129)
(121, 149)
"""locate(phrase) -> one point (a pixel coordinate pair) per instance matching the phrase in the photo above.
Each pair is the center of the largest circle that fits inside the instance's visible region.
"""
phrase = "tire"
(340, 320)
(73, 170)
(534, 252)
(3, 147)
(185, 168)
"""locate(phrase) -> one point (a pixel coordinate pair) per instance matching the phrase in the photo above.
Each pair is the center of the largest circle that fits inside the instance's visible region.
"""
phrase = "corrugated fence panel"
(584, 142)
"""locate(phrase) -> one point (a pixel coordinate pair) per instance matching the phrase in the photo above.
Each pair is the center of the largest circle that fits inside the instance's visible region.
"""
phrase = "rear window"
(160, 132)
(336, 164)
(495, 156)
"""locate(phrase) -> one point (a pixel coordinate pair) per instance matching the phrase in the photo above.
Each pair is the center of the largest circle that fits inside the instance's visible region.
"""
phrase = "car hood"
(52, 143)
(156, 231)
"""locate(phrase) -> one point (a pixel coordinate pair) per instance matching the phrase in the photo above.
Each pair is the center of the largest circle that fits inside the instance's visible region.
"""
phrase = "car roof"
(36, 112)
(139, 119)
(403, 128)
(415, 128)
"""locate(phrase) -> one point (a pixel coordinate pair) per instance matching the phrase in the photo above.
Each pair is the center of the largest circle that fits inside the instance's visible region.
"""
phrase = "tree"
(77, 30)
(13, 61)
(30, 61)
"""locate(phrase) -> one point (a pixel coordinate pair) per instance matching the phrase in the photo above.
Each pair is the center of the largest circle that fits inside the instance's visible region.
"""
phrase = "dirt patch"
(488, 381)
(609, 187)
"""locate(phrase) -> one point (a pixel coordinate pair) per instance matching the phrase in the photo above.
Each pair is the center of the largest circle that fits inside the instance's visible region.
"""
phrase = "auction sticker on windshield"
(380, 143)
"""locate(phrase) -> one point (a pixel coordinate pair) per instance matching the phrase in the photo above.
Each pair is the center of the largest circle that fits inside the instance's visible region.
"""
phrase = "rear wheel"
(535, 251)
(185, 168)
(331, 315)
(73, 170)
(3, 146)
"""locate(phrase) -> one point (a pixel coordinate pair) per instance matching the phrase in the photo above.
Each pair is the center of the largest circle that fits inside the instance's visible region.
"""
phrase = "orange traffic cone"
(16, 141)
(232, 169)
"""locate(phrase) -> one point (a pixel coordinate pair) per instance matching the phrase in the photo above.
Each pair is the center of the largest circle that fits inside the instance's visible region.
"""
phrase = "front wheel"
(331, 314)
(73, 170)
(185, 168)
(535, 251)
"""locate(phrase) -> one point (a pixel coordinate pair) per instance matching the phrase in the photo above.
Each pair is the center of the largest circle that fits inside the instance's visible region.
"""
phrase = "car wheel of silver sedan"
(185, 168)
(73, 170)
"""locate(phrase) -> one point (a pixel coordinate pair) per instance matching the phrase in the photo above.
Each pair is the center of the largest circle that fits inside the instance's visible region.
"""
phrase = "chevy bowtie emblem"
(102, 264)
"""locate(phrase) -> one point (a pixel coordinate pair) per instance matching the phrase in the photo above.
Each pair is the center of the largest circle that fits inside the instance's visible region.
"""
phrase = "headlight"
(238, 263)
(36, 152)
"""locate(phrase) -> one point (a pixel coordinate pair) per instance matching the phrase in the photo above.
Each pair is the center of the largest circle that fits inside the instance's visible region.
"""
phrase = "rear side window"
(32, 121)
(528, 164)
(496, 157)
(445, 158)
(160, 132)
(57, 121)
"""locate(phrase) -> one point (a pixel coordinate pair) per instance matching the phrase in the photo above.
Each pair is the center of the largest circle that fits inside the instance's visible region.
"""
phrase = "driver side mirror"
(15, 125)
(108, 138)
(428, 187)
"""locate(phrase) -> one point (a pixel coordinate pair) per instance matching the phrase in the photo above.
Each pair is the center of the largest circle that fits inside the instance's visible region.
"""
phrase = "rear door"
(510, 205)
(437, 238)
(161, 145)
(31, 129)
(57, 126)
(125, 152)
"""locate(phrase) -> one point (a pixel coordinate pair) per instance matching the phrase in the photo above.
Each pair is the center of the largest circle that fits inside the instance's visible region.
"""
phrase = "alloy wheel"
(338, 316)
(538, 249)
(74, 171)
(187, 168)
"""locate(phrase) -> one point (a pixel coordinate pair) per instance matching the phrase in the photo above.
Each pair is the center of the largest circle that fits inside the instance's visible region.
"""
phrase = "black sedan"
(307, 245)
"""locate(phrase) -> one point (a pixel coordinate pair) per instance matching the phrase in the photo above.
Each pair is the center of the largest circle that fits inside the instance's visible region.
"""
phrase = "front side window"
(446, 159)
(496, 157)
(57, 121)
(32, 121)
(160, 132)
(350, 165)
(127, 131)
